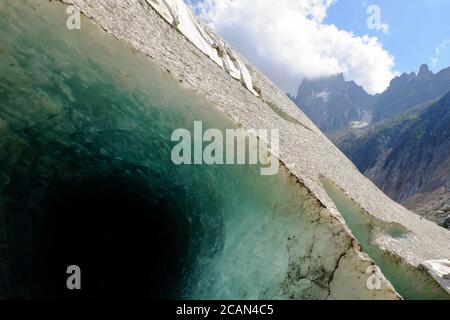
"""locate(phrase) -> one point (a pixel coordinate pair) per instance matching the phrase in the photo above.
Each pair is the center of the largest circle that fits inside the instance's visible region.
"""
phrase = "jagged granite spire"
(424, 72)
(333, 103)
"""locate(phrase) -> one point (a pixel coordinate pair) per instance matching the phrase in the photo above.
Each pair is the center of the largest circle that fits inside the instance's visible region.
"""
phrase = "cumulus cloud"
(289, 41)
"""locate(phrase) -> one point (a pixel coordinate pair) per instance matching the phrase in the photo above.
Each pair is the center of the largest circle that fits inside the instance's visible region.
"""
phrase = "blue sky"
(416, 28)
(290, 40)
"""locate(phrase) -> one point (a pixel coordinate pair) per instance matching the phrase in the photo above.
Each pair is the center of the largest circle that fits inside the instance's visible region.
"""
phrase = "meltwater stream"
(86, 179)
(410, 283)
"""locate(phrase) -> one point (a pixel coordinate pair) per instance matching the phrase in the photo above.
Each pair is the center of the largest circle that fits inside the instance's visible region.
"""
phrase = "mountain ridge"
(316, 96)
(407, 156)
(334, 103)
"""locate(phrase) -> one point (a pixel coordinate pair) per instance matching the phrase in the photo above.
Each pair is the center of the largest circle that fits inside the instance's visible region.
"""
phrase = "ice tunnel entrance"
(410, 283)
(126, 241)
(86, 179)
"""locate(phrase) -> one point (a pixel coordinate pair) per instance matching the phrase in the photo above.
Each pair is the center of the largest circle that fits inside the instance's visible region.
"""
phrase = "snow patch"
(359, 124)
(324, 95)
(440, 271)
(181, 17)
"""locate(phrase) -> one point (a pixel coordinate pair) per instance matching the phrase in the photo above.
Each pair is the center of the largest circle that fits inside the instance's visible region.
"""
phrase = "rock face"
(333, 103)
(407, 157)
(410, 90)
(447, 223)
(98, 127)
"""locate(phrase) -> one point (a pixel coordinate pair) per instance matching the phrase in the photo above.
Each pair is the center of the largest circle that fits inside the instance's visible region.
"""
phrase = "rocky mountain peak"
(333, 103)
(424, 72)
(410, 90)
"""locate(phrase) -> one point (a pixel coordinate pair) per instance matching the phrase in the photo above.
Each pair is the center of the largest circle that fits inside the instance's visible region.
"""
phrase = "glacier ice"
(85, 144)
(86, 175)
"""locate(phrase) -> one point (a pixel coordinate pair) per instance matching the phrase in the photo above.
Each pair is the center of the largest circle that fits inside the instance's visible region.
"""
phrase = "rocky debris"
(181, 17)
(446, 223)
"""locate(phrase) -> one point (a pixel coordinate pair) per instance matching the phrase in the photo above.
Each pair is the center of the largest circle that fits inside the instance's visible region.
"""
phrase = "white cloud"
(439, 49)
(374, 19)
(384, 28)
(289, 41)
(434, 61)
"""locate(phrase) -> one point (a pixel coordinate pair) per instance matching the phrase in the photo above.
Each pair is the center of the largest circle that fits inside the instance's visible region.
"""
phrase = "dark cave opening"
(127, 243)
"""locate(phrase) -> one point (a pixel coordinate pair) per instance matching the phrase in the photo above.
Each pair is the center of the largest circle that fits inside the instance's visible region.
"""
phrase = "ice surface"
(440, 271)
(86, 175)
